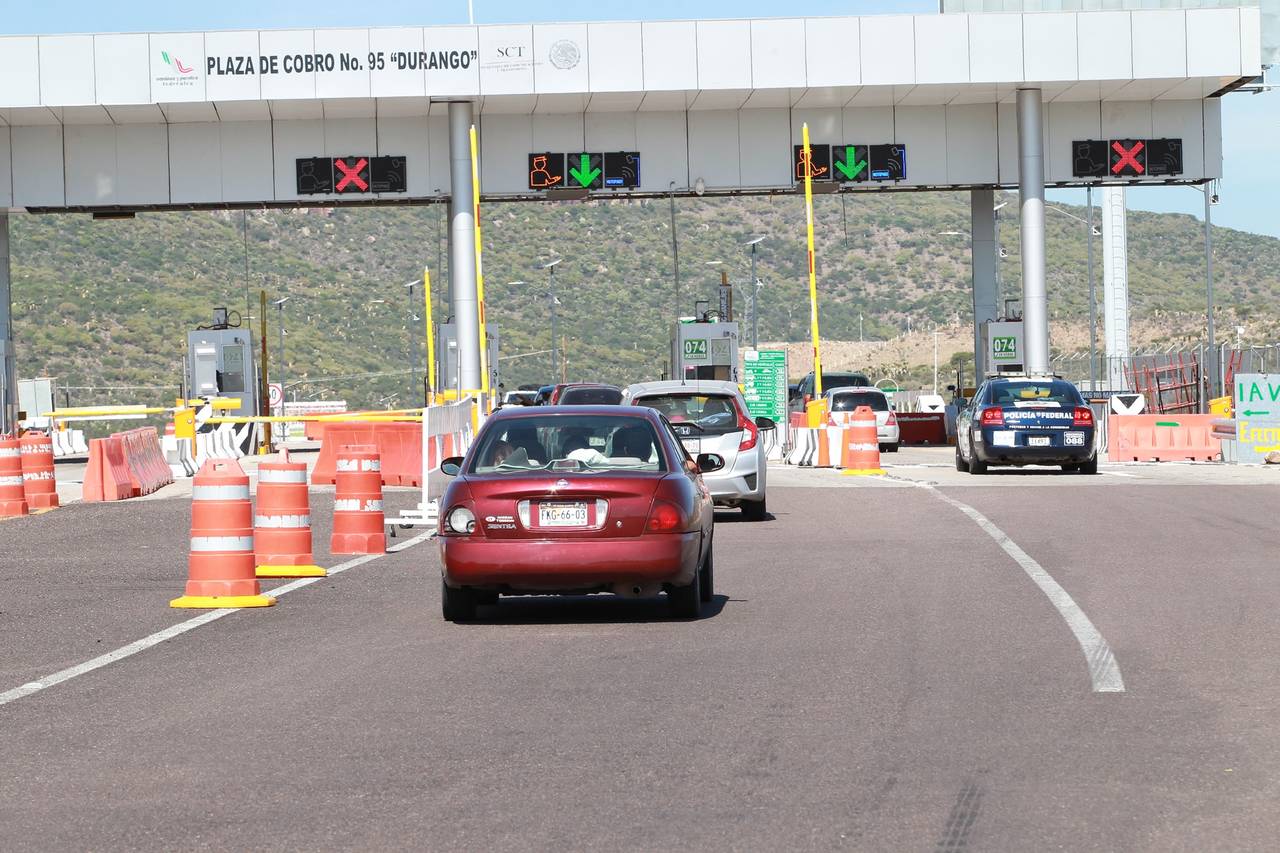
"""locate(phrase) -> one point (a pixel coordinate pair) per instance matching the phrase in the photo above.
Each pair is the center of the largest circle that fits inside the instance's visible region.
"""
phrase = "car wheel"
(1089, 467)
(686, 601)
(457, 605)
(891, 448)
(754, 510)
(707, 583)
(961, 465)
(976, 465)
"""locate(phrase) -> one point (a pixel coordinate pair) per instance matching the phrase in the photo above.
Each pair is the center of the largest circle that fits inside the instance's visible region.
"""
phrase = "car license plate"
(562, 515)
(1002, 438)
(691, 445)
(1037, 441)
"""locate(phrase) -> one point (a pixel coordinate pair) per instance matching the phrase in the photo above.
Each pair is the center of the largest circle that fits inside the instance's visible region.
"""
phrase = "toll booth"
(1002, 348)
(447, 363)
(221, 363)
(705, 350)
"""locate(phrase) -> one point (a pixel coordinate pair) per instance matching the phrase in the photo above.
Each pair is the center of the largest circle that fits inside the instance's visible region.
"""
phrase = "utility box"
(221, 363)
(1002, 347)
(705, 351)
(447, 363)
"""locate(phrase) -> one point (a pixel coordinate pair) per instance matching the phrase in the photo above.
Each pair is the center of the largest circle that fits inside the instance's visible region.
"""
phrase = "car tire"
(976, 465)
(686, 601)
(961, 465)
(457, 604)
(755, 510)
(889, 448)
(1089, 467)
(707, 581)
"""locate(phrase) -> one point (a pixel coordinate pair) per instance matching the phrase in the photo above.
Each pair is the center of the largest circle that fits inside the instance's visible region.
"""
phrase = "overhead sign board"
(549, 170)
(353, 174)
(850, 162)
(1126, 158)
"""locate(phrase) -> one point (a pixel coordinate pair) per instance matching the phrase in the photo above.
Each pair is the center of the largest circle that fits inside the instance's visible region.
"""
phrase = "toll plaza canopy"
(165, 120)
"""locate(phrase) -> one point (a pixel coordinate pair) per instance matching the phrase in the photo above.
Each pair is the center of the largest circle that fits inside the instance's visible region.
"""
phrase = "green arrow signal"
(586, 174)
(850, 172)
(1251, 412)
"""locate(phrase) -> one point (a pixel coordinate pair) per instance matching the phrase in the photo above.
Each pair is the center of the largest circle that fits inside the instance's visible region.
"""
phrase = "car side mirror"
(709, 462)
(452, 466)
(951, 387)
(766, 424)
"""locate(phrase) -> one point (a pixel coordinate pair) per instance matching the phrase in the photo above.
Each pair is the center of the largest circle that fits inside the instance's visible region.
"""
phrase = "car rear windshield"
(568, 443)
(591, 397)
(843, 380)
(1032, 392)
(850, 400)
(715, 414)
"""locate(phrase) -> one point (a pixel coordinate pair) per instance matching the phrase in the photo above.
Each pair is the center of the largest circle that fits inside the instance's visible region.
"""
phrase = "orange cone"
(282, 522)
(221, 566)
(38, 482)
(13, 500)
(860, 455)
(357, 502)
(824, 448)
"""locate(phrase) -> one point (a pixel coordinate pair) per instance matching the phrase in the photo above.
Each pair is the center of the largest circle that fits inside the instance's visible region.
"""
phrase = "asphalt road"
(877, 673)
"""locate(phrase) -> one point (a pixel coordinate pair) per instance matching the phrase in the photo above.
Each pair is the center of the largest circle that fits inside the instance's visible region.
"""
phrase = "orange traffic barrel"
(358, 526)
(13, 499)
(282, 522)
(221, 565)
(860, 454)
(38, 481)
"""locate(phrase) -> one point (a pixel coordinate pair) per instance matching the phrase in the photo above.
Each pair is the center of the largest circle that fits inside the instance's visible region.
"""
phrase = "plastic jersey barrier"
(1162, 438)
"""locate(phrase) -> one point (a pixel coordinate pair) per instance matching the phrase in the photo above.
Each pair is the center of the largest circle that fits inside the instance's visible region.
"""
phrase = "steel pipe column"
(8, 371)
(982, 252)
(1035, 299)
(462, 248)
(1115, 286)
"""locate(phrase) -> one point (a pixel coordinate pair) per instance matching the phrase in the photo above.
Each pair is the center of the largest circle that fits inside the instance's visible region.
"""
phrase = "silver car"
(846, 400)
(711, 417)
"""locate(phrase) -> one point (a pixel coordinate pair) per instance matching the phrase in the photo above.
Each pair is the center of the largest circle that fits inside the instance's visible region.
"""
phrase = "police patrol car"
(1026, 420)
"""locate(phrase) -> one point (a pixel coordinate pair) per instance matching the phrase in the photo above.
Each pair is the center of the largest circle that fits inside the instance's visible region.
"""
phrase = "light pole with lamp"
(1091, 231)
(755, 290)
(413, 350)
(279, 304)
(1210, 199)
(550, 267)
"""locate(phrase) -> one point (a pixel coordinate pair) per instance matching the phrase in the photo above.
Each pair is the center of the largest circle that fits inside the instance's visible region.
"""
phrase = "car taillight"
(663, 518)
(460, 520)
(993, 417)
(893, 420)
(807, 398)
(1083, 417)
(750, 432)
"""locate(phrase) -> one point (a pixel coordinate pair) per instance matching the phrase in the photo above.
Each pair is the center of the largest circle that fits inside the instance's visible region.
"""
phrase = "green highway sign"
(695, 349)
(764, 385)
(1004, 348)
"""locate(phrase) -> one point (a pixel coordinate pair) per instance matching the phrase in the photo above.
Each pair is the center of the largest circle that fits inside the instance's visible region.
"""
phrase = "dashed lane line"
(181, 628)
(1104, 672)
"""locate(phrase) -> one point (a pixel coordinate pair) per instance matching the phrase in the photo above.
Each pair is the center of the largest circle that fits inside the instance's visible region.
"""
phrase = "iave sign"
(1257, 414)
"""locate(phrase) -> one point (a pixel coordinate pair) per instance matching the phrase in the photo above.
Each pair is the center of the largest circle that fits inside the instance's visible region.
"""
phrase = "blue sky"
(1250, 189)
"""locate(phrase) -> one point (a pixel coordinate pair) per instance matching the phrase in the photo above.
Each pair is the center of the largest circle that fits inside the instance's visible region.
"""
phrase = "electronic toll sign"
(1126, 158)
(850, 163)
(354, 174)
(584, 170)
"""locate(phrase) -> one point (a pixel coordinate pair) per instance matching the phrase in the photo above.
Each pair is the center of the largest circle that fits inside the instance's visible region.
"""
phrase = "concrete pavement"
(876, 674)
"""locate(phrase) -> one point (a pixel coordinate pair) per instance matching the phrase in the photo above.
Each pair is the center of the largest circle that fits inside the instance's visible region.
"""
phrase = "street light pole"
(413, 350)
(550, 267)
(755, 290)
(675, 252)
(279, 303)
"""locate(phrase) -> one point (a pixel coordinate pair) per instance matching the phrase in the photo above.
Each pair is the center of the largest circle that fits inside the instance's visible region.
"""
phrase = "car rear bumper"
(1034, 455)
(569, 564)
(888, 434)
(734, 486)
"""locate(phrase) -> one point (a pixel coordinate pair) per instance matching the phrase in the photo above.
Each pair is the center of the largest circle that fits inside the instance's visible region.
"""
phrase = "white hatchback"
(842, 401)
(711, 417)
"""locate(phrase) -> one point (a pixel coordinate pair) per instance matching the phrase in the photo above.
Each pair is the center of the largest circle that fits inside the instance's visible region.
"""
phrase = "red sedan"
(576, 500)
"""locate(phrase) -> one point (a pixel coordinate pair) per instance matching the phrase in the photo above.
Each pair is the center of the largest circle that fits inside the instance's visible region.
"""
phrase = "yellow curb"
(291, 572)
(863, 472)
(220, 601)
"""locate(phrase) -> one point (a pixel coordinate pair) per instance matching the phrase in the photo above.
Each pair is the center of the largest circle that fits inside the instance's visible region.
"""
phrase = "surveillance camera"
(1213, 199)
(700, 186)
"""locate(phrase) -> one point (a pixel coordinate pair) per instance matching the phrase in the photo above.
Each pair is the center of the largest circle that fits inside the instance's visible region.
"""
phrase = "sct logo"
(176, 63)
(515, 51)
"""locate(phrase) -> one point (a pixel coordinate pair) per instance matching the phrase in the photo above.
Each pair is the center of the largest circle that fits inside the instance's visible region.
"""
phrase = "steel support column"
(462, 247)
(1035, 299)
(982, 253)
(1115, 286)
(8, 371)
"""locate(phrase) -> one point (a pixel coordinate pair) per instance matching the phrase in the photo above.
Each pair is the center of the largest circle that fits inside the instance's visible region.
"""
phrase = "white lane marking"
(1104, 672)
(183, 627)
(1117, 474)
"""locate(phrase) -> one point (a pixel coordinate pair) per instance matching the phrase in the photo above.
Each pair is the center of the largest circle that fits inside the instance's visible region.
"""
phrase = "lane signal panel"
(354, 174)
(850, 163)
(1126, 158)
(549, 170)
